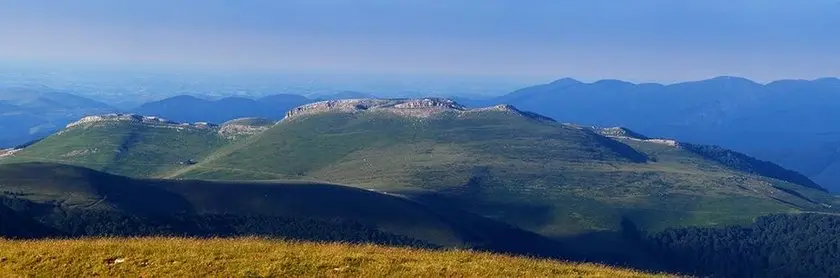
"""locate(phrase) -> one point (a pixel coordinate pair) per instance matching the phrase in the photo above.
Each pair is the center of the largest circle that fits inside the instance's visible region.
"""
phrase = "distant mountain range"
(191, 109)
(792, 122)
(30, 113)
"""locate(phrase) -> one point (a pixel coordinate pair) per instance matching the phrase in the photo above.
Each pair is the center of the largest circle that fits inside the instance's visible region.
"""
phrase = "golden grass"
(253, 257)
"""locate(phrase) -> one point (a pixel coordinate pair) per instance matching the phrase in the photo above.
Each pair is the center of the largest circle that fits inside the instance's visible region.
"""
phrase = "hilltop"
(135, 145)
(260, 257)
(417, 108)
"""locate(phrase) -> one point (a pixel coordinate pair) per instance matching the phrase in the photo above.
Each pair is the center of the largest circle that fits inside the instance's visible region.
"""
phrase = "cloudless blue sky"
(641, 40)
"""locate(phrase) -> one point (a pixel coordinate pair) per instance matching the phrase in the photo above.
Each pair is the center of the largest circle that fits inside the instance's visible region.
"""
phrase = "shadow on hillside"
(626, 248)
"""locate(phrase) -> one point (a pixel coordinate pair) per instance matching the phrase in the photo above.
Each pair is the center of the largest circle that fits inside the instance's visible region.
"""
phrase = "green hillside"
(516, 167)
(499, 163)
(74, 201)
(68, 188)
(133, 145)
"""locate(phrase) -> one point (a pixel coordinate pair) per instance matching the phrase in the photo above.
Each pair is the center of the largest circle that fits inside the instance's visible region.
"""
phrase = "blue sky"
(640, 40)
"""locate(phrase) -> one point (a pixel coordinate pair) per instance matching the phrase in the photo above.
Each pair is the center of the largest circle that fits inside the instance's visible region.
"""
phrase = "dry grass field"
(254, 257)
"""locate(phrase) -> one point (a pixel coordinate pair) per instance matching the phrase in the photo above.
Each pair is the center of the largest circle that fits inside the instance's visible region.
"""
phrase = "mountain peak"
(566, 82)
(733, 79)
(828, 80)
(180, 99)
(612, 83)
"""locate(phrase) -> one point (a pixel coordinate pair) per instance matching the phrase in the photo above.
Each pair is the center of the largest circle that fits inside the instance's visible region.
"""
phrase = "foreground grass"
(251, 257)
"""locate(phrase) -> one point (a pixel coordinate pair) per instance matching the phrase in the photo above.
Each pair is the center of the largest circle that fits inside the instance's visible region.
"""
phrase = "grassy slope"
(125, 148)
(563, 179)
(257, 257)
(78, 188)
(543, 176)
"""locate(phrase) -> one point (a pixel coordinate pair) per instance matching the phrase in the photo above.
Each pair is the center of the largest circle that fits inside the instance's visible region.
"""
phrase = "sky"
(640, 40)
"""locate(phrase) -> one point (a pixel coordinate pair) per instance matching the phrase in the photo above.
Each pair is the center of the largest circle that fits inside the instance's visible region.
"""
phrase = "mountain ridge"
(29, 113)
(185, 108)
(419, 108)
(784, 121)
(724, 156)
(411, 107)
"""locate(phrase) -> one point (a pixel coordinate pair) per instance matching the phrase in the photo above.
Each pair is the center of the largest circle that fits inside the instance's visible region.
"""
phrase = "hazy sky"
(641, 40)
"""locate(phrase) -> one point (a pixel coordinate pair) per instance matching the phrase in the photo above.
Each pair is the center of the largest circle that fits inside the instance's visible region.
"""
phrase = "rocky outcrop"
(244, 127)
(119, 118)
(624, 133)
(133, 118)
(8, 152)
(407, 107)
(621, 132)
(420, 108)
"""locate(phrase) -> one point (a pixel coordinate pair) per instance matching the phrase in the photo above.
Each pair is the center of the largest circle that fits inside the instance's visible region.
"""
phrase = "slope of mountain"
(780, 121)
(47, 99)
(503, 163)
(731, 159)
(260, 257)
(498, 162)
(130, 145)
(819, 161)
(15, 225)
(49, 200)
(191, 109)
(74, 201)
